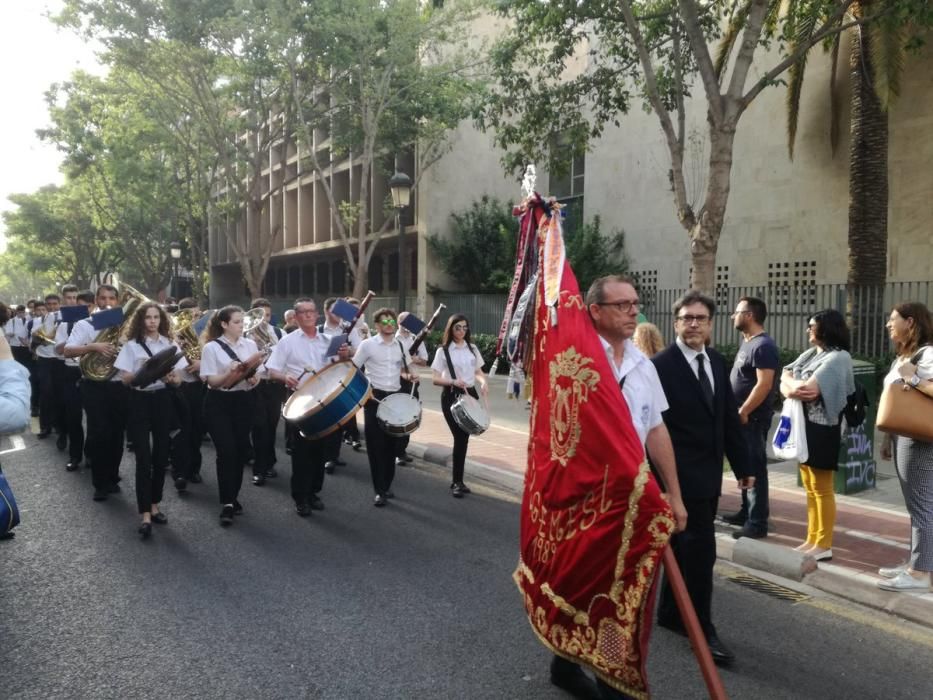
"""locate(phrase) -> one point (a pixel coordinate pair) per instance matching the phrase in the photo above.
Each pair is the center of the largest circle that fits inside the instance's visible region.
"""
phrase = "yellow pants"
(821, 505)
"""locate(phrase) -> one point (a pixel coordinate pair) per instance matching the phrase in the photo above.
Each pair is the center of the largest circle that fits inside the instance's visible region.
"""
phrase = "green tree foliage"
(592, 254)
(480, 251)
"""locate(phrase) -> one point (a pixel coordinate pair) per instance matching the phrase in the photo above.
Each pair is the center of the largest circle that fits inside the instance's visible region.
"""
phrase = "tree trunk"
(868, 202)
(705, 232)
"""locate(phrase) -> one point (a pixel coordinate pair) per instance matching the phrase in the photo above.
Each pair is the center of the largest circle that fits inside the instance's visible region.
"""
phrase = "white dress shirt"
(691, 356)
(49, 325)
(642, 390)
(407, 340)
(297, 352)
(466, 360)
(215, 360)
(16, 333)
(82, 334)
(383, 362)
(132, 357)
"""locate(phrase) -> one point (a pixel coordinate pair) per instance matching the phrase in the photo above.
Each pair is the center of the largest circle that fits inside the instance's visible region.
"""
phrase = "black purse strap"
(916, 358)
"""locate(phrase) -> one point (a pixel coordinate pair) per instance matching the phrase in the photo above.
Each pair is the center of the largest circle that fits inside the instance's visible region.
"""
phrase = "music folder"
(72, 314)
(413, 323)
(335, 342)
(107, 319)
(344, 309)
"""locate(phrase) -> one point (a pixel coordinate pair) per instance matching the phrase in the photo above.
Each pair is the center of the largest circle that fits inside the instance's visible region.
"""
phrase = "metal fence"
(790, 306)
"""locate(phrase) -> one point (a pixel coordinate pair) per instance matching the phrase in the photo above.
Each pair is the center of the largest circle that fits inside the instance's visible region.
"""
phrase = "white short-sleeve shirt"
(84, 333)
(642, 389)
(407, 341)
(215, 360)
(383, 362)
(298, 352)
(924, 366)
(466, 360)
(132, 357)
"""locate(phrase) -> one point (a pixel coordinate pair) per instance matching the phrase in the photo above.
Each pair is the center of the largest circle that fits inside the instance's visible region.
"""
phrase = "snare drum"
(327, 400)
(470, 415)
(399, 414)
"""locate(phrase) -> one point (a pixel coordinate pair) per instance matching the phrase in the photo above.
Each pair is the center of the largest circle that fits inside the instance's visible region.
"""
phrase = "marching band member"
(270, 395)
(46, 366)
(104, 403)
(17, 334)
(71, 394)
(334, 325)
(228, 412)
(407, 339)
(457, 367)
(296, 354)
(35, 310)
(186, 445)
(151, 409)
(69, 296)
(386, 363)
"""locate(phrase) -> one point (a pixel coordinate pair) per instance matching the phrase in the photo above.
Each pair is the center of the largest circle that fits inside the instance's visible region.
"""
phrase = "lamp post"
(400, 186)
(175, 250)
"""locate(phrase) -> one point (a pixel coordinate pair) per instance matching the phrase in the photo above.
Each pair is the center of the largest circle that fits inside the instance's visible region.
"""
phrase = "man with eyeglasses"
(386, 363)
(753, 378)
(612, 303)
(703, 421)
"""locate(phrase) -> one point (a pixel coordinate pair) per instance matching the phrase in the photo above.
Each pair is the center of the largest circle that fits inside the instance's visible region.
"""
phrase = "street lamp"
(400, 186)
(175, 250)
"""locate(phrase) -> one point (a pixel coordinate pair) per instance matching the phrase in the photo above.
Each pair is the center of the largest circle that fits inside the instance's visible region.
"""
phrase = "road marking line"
(18, 444)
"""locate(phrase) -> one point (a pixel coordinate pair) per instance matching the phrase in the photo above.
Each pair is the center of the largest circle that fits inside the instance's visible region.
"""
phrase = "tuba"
(254, 328)
(96, 366)
(185, 335)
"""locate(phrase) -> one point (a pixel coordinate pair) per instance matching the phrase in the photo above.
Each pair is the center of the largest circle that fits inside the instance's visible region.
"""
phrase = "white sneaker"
(892, 571)
(905, 582)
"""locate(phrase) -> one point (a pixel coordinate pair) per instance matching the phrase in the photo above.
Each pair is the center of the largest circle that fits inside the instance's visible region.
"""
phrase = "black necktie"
(705, 386)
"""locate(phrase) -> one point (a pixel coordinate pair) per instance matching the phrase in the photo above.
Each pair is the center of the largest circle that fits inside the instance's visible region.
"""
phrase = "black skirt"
(823, 444)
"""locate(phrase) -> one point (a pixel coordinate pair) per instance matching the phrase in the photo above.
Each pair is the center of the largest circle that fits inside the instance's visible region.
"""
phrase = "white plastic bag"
(790, 438)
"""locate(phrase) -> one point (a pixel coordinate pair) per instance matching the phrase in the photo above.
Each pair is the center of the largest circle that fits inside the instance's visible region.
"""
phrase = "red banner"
(593, 521)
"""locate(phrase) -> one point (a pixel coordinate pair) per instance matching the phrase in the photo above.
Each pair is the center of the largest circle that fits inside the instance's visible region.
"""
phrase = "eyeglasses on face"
(623, 306)
(388, 322)
(690, 319)
(739, 312)
(306, 312)
(461, 327)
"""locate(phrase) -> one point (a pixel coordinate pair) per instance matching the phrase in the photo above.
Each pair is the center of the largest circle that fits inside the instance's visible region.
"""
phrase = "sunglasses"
(461, 327)
(388, 322)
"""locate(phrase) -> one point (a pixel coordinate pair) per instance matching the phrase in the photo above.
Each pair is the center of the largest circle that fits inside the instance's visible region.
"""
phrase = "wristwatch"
(914, 380)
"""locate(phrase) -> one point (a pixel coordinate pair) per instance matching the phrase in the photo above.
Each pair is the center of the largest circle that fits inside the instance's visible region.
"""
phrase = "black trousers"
(105, 405)
(229, 415)
(25, 357)
(186, 445)
(308, 458)
(269, 399)
(148, 419)
(59, 420)
(695, 551)
(46, 369)
(381, 448)
(461, 437)
(401, 442)
(71, 400)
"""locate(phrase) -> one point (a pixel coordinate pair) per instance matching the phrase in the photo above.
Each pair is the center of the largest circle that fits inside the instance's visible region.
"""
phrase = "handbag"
(905, 412)
(790, 438)
(9, 512)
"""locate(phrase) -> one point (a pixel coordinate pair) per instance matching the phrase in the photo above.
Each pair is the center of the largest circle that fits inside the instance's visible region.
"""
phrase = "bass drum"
(328, 400)
(470, 415)
(399, 414)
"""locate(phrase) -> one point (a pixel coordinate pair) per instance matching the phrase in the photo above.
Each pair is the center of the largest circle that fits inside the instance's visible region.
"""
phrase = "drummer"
(294, 357)
(420, 359)
(386, 363)
(458, 367)
(151, 410)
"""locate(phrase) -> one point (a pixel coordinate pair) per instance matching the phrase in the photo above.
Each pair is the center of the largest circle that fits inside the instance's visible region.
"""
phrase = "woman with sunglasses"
(386, 363)
(822, 379)
(458, 367)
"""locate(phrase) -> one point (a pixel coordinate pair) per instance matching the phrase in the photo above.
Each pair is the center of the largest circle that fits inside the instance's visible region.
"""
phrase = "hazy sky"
(34, 54)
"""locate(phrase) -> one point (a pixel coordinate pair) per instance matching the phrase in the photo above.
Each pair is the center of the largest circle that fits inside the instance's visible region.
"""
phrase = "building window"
(307, 279)
(339, 276)
(294, 280)
(393, 272)
(281, 282)
(374, 275)
(567, 181)
(323, 278)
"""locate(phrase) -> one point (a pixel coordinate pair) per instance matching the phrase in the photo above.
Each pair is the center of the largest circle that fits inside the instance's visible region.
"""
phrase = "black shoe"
(569, 677)
(464, 488)
(113, 488)
(347, 440)
(237, 508)
(7, 535)
(160, 518)
(34, 412)
(100, 494)
(61, 443)
(316, 503)
(303, 509)
(399, 462)
(737, 518)
(407, 458)
(749, 533)
(380, 500)
(130, 447)
(73, 466)
(259, 480)
(271, 474)
(357, 446)
(339, 462)
(675, 626)
(195, 479)
(720, 652)
(181, 483)
(456, 491)
(226, 516)
(389, 493)
(145, 530)
(43, 434)
(329, 467)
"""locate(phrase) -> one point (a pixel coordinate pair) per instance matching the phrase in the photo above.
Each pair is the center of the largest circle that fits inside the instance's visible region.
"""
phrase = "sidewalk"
(872, 527)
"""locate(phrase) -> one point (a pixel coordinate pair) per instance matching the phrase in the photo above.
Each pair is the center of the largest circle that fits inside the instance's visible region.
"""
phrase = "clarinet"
(423, 333)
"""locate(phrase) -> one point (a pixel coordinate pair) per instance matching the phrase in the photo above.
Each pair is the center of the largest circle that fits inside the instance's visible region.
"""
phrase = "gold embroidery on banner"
(572, 301)
(571, 382)
(579, 617)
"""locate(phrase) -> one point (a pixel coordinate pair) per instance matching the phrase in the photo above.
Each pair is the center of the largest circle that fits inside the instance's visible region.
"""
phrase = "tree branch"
(688, 11)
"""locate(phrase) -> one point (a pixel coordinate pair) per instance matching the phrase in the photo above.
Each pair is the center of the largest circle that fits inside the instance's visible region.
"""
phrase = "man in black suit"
(703, 422)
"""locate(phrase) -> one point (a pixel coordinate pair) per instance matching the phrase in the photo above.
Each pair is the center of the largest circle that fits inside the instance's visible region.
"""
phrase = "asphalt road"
(411, 601)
